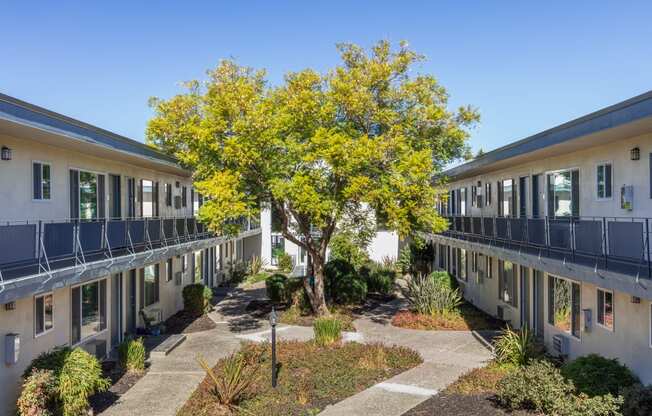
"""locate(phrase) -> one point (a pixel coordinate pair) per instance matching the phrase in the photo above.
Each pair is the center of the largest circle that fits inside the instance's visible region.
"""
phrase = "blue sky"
(526, 66)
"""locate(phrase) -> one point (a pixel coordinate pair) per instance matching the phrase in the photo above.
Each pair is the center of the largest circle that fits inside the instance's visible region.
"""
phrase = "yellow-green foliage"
(327, 330)
(132, 354)
(317, 147)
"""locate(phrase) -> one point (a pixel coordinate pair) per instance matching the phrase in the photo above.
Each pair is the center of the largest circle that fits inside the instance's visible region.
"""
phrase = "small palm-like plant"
(232, 383)
(327, 331)
(256, 265)
(515, 347)
(430, 296)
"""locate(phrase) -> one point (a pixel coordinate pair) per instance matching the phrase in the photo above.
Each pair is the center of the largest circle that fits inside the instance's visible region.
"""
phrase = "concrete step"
(169, 343)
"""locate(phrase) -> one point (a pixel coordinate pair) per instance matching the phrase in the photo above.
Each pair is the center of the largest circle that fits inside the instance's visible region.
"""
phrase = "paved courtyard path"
(446, 354)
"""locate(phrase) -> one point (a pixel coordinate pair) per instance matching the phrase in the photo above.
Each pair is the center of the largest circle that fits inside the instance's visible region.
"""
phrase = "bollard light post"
(272, 321)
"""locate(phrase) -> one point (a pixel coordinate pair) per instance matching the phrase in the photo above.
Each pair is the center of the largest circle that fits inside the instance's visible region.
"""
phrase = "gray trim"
(30, 285)
(627, 111)
(18, 111)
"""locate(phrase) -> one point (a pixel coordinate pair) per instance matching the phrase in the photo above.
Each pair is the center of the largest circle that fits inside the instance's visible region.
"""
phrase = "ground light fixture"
(272, 321)
(635, 153)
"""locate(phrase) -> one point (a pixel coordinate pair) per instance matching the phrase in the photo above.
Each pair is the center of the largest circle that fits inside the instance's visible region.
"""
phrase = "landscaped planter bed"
(310, 378)
(467, 318)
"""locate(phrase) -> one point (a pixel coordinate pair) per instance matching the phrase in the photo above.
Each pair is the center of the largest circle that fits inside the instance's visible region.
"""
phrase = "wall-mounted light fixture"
(635, 153)
(6, 153)
(10, 306)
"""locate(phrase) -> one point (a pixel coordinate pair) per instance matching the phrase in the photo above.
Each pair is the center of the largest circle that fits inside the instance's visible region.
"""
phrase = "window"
(87, 195)
(462, 194)
(507, 283)
(150, 286)
(563, 193)
(169, 270)
(43, 313)
(474, 262)
(606, 309)
(474, 196)
(184, 263)
(197, 266)
(42, 181)
(168, 194)
(480, 268)
(88, 310)
(147, 198)
(604, 181)
(463, 264)
(506, 198)
(487, 193)
(490, 266)
(564, 305)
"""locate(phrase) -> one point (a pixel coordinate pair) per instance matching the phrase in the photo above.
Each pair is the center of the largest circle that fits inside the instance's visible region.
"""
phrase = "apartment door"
(537, 296)
(131, 306)
(115, 199)
(116, 309)
(525, 297)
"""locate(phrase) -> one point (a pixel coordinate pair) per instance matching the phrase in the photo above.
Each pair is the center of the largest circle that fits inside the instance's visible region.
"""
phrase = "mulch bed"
(184, 323)
(310, 378)
(453, 404)
(469, 318)
(121, 382)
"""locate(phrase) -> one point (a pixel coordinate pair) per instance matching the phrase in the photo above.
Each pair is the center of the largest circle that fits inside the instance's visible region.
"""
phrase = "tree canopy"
(368, 135)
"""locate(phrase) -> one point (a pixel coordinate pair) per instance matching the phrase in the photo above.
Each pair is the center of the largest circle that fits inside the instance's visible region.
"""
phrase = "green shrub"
(343, 246)
(380, 279)
(77, 375)
(276, 287)
(596, 375)
(516, 347)
(197, 299)
(637, 400)
(444, 278)
(583, 405)
(232, 382)
(285, 263)
(405, 260)
(430, 296)
(132, 354)
(237, 271)
(535, 387)
(327, 330)
(37, 394)
(343, 284)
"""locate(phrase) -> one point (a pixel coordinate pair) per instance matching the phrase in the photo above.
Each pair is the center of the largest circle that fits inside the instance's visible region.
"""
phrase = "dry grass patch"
(295, 315)
(480, 380)
(310, 378)
(466, 318)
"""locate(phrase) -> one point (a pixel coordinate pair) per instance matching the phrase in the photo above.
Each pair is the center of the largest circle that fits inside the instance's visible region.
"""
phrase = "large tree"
(369, 134)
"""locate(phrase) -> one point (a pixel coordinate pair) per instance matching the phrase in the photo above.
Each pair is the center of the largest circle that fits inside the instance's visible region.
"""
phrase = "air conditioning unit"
(178, 277)
(504, 313)
(177, 202)
(561, 345)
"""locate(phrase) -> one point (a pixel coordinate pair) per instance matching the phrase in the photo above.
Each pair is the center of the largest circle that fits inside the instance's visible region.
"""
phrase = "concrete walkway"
(447, 355)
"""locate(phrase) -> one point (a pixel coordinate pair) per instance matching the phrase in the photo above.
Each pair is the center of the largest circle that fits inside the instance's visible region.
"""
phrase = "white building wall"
(385, 244)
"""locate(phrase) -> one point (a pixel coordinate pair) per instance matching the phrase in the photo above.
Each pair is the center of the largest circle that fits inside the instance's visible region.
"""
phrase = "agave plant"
(515, 347)
(232, 383)
(256, 265)
(430, 296)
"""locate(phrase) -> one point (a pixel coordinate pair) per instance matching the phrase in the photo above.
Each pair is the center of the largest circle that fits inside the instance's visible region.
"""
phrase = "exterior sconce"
(635, 154)
(10, 306)
(6, 153)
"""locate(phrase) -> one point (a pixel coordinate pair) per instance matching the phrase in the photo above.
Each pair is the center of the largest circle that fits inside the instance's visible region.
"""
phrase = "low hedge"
(197, 299)
(596, 375)
(379, 279)
(343, 284)
(283, 289)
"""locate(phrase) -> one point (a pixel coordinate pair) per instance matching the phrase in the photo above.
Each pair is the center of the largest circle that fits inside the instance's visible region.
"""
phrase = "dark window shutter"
(575, 193)
(102, 304)
(101, 196)
(535, 196)
(74, 194)
(155, 198)
(75, 335)
(607, 181)
(499, 187)
(141, 283)
(184, 200)
(551, 196)
(140, 196)
(37, 180)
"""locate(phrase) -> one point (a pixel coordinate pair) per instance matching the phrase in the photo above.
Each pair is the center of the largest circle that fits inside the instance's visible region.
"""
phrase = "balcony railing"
(32, 247)
(613, 243)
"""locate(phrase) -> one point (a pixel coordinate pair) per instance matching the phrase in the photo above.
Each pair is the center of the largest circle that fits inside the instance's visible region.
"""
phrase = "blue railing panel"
(560, 233)
(17, 243)
(181, 227)
(168, 228)
(588, 236)
(90, 236)
(488, 227)
(58, 239)
(626, 239)
(501, 228)
(137, 231)
(536, 231)
(116, 233)
(154, 230)
(517, 229)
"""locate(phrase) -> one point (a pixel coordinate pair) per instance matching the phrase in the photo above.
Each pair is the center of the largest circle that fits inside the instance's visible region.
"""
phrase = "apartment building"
(94, 229)
(384, 244)
(552, 232)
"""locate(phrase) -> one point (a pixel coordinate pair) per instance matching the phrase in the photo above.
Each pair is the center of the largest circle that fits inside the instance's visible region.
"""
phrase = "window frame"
(603, 164)
(169, 269)
(570, 170)
(49, 165)
(97, 189)
(156, 283)
(106, 317)
(613, 309)
(45, 331)
(572, 302)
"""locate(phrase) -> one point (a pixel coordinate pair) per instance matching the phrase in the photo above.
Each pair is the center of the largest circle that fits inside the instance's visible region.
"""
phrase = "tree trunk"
(316, 294)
